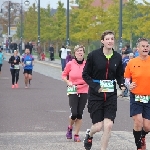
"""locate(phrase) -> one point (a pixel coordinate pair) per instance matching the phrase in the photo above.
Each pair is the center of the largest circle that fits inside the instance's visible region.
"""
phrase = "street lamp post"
(120, 27)
(21, 28)
(67, 29)
(9, 21)
(38, 21)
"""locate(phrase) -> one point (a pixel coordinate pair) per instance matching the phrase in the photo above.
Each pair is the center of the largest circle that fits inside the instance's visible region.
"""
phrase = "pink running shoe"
(77, 138)
(12, 86)
(16, 85)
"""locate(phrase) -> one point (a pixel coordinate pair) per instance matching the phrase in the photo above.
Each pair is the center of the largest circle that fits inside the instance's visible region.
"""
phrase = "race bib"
(16, 66)
(142, 98)
(71, 90)
(28, 62)
(107, 85)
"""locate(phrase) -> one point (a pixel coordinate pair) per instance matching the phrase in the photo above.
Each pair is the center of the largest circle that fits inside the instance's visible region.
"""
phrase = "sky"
(44, 3)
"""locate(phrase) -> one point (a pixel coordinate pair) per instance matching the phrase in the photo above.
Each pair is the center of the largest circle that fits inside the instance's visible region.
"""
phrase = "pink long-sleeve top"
(74, 70)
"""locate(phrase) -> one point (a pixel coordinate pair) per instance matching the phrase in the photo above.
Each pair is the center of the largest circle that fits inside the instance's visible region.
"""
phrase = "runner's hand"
(14, 61)
(132, 86)
(100, 90)
(123, 88)
(69, 83)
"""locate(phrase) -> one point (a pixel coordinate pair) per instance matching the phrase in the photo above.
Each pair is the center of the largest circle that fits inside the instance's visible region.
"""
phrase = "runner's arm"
(66, 71)
(119, 74)
(22, 61)
(87, 73)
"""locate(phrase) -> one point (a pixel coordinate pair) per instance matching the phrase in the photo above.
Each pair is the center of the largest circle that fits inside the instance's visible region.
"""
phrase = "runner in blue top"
(1, 59)
(28, 63)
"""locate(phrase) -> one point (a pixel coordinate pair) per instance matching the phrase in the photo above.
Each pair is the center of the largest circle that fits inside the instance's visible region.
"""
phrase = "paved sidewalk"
(57, 141)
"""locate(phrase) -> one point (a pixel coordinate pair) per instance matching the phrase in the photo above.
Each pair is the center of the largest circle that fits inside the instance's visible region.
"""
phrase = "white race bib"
(71, 90)
(28, 63)
(142, 98)
(16, 67)
(107, 85)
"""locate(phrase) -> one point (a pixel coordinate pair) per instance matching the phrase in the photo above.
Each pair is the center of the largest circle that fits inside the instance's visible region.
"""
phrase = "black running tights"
(15, 75)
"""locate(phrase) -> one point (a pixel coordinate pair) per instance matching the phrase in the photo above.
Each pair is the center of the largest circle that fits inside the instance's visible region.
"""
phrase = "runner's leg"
(0, 68)
(137, 129)
(13, 77)
(17, 78)
(26, 79)
(81, 105)
(73, 103)
(107, 132)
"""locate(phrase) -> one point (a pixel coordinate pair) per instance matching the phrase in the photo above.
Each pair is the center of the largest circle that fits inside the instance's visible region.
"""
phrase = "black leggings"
(77, 104)
(15, 75)
(0, 67)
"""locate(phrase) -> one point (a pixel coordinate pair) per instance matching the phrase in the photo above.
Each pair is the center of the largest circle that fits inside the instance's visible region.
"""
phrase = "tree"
(144, 20)
(58, 30)
(82, 19)
(46, 24)
(30, 24)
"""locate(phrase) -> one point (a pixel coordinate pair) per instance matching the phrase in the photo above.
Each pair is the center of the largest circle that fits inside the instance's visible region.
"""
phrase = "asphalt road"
(37, 118)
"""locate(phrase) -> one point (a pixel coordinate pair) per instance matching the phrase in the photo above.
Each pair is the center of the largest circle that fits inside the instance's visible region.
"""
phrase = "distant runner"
(28, 63)
(14, 60)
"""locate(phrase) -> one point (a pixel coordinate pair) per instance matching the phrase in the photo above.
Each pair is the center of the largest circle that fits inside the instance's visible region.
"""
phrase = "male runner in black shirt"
(102, 68)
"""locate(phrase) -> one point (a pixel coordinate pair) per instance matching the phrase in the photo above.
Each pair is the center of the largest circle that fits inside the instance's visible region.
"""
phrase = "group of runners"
(27, 63)
(95, 80)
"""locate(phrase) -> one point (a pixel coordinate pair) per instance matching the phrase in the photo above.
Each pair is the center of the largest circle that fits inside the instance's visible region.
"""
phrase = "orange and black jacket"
(98, 67)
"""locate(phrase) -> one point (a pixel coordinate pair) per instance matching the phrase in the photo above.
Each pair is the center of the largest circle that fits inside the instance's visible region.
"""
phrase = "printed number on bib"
(16, 66)
(28, 62)
(107, 85)
(71, 90)
(142, 98)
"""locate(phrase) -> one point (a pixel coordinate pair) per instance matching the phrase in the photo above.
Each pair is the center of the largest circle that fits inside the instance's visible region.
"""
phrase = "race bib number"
(28, 62)
(107, 85)
(142, 98)
(16, 66)
(71, 90)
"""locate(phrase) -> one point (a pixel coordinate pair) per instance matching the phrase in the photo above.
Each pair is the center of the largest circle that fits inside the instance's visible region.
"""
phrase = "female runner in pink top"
(77, 91)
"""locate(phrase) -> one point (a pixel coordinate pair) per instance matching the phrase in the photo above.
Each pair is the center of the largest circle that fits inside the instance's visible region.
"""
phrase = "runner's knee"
(98, 126)
(146, 126)
(108, 125)
(138, 121)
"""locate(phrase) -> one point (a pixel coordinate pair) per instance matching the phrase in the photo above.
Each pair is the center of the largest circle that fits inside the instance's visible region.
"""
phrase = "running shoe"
(12, 86)
(16, 86)
(88, 140)
(77, 138)
(69, 133)
(143, 144)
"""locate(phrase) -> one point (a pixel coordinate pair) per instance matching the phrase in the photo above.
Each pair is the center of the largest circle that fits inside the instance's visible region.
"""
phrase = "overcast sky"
(44, 3)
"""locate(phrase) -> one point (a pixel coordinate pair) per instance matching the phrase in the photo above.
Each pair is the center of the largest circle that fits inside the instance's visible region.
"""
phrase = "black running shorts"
(28, 71)
(99, 110)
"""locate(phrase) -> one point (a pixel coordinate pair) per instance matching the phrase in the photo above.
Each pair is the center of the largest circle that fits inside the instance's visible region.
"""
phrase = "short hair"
(63, 46)
(127, 45)
(141, 39)
(106, 33)
(79, 46)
